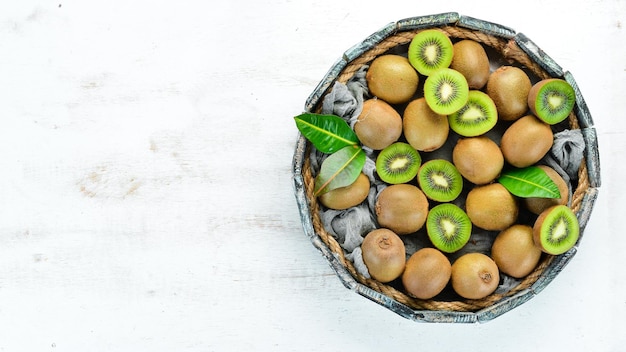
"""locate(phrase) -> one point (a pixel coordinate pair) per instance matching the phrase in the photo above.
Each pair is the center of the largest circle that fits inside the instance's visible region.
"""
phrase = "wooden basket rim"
(513, 46)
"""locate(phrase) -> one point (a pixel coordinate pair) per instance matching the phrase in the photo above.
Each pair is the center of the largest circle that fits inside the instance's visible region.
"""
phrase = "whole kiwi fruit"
(378, 125)
(474, 275)
(491, 207)
(514, 251)
(348, 196)
(424, 129)
(383, 254)
(508, 87)
(471, 60)
(526, 141)
(478, 159)
(538, 205)
(392, 79)
(402, 208)
(426, 273)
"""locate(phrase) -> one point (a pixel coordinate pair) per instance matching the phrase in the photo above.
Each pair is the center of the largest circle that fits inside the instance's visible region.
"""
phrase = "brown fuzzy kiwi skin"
(472, 61)
(424, 129)
(479, 159)
(426, 273)
(384, 255)
(474, 275)
(348, 196)
(378, 125)
(515, 252)
(508, 87)
(526, 141)
(392, 79)
(538, 205)
(491, 207)
(402, 208)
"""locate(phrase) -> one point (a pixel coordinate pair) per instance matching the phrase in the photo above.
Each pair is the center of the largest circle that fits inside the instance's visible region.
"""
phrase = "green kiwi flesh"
(551, 100)
(398, 163)
(448, 227)
(440, 180)
(430, 50)
(446, 91)
(476, 117)
(556, 230)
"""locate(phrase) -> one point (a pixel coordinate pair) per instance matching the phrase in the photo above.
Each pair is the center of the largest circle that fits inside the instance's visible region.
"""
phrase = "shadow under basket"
(512, 47)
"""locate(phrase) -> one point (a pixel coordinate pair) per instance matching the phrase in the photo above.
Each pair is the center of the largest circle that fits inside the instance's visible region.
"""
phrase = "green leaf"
(340, 169)
(328, 133)
(529, 182)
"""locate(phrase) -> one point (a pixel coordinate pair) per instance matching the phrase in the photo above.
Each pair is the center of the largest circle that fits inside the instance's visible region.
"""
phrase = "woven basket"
(514, 48)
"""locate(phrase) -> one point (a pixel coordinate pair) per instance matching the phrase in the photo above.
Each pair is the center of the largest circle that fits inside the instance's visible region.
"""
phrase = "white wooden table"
(146, 199)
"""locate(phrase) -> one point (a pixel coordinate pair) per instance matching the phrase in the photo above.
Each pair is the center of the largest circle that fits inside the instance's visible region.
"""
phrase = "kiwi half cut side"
(430, 50)
(448, 227)
(398, 163)
(476, 117)
(556, 230)
(551, 100)
(440, 180)
(446, 91)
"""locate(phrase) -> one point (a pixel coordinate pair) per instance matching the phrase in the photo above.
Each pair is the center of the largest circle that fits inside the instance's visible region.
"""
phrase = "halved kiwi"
(446, 91)
(551, 100)
(476, 117)
(556, 230)
(430, 50)
(440, 180)
(398, 163)
(448, 227)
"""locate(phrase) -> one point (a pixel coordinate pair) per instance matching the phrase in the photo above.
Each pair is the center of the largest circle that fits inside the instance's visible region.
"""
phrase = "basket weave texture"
(584, 191)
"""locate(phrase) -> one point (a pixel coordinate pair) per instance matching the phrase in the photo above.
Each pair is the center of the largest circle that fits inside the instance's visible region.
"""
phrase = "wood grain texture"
(147, 197)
